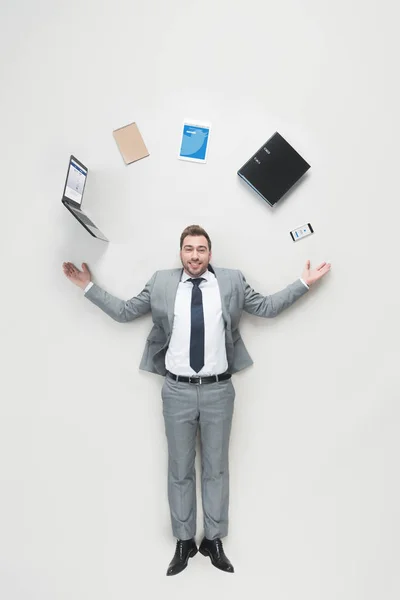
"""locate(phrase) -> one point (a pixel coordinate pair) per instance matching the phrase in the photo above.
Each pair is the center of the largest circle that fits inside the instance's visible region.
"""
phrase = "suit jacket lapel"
(225, 289)
(171, 289)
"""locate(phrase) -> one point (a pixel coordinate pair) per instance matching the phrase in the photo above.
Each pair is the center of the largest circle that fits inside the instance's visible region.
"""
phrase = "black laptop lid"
(75, 182)
(273, 169)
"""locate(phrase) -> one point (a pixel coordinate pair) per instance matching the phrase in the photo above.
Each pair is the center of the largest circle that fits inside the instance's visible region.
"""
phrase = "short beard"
(194, 274)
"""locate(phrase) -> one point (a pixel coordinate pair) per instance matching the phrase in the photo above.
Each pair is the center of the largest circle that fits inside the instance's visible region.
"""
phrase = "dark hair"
(195, 230)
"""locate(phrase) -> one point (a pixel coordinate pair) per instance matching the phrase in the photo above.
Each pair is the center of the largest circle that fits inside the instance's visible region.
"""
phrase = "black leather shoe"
(214, 549)
(185, 549)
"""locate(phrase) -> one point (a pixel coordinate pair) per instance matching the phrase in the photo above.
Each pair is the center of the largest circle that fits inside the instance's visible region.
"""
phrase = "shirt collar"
(208, 275)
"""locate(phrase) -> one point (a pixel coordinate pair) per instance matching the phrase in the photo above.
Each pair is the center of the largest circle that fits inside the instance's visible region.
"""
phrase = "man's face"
(195, 255)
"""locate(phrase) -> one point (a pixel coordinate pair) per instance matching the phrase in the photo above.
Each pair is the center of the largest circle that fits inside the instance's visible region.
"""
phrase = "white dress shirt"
(177, 358)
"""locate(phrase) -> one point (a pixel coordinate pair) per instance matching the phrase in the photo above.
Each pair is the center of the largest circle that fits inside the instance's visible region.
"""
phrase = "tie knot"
(197, 280)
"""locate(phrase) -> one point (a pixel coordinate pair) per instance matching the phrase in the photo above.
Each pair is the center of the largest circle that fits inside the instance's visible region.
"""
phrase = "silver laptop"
(73, 195)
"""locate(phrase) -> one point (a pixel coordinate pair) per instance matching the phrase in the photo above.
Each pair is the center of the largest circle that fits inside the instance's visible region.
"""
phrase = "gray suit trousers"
(187, 409)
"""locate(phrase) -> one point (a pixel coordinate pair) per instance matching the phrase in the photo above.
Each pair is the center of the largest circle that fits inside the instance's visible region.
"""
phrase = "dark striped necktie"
(197, 326)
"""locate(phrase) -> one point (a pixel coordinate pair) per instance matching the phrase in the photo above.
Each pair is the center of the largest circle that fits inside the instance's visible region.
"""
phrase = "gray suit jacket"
(158, 296)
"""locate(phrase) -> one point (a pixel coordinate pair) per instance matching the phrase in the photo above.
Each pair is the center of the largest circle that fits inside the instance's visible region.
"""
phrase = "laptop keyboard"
(82, 217)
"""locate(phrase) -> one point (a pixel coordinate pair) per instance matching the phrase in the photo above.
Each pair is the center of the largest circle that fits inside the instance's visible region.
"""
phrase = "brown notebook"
(130, 143)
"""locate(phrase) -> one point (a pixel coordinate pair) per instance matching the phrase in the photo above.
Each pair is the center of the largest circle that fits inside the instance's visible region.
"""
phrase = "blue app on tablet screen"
(194, 143)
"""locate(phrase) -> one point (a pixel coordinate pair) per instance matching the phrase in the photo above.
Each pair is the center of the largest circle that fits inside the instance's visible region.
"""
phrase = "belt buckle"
(195, 380)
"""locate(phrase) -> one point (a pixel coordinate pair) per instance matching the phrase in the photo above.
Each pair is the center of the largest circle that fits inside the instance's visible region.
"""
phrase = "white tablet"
(194, 141)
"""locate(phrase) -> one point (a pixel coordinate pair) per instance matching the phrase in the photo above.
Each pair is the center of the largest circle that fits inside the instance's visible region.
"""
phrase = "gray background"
(314, 452)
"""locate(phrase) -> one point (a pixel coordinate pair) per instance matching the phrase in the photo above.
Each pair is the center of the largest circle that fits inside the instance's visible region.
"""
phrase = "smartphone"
(301, 232)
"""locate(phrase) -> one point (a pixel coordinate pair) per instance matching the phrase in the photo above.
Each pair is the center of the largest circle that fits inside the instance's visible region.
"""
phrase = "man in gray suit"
(195, 344)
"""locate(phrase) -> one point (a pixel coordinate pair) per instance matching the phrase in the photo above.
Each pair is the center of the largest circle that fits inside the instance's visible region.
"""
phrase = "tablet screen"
(194, 141)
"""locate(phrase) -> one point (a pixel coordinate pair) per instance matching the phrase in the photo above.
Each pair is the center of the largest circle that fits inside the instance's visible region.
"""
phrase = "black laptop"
(273, 169)
(73, 195)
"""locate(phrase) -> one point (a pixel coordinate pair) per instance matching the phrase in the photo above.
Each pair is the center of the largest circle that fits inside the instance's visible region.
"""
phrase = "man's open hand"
(311, 276)
(79, 278)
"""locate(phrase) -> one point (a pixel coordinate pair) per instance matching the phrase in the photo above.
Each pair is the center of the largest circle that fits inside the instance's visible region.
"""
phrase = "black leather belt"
(200, 380)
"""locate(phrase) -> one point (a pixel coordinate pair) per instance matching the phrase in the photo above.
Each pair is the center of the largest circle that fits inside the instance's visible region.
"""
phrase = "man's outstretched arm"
(119, 310)
(273, 305)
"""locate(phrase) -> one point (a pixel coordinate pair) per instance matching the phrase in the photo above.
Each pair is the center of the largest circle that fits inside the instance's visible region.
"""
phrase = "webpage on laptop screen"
(75, 182)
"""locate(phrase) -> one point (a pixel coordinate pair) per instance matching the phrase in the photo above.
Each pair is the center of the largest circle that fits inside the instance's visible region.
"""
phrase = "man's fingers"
(321, 266)
(323, 269)
(72, 270)
(69, 269)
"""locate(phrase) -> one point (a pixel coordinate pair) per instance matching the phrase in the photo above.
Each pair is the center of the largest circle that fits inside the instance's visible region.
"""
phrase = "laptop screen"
(76, 180)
